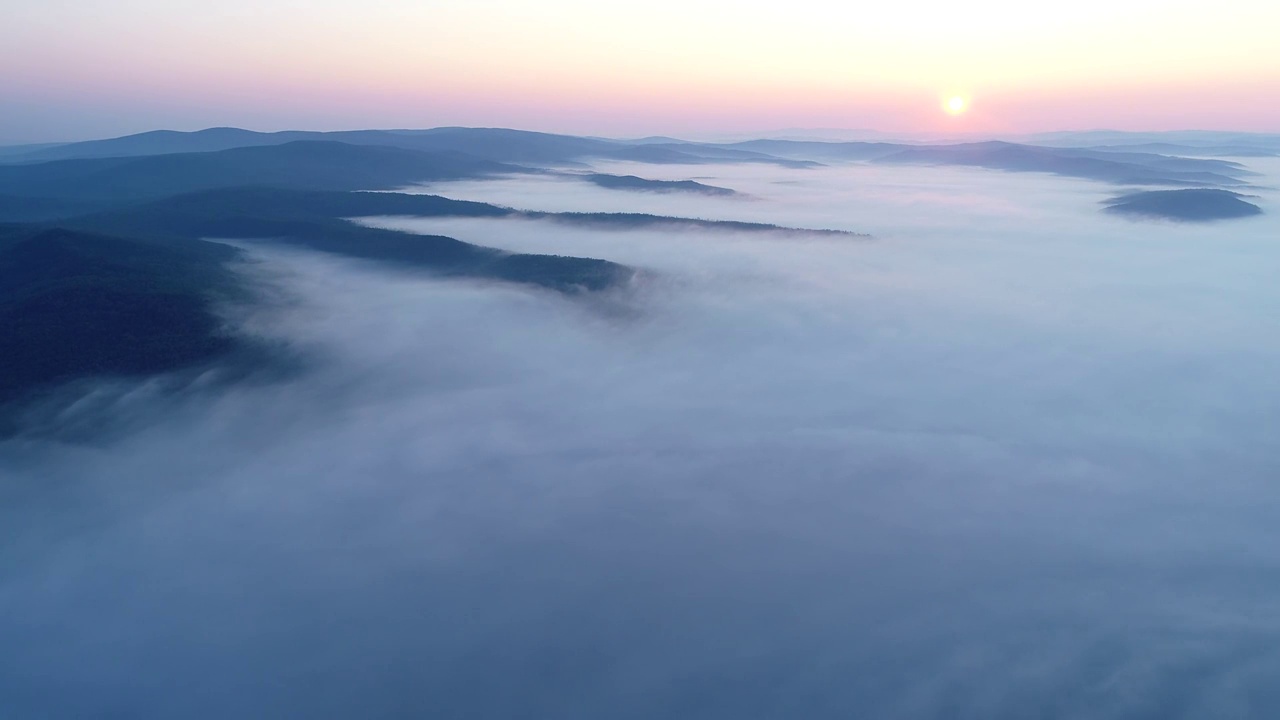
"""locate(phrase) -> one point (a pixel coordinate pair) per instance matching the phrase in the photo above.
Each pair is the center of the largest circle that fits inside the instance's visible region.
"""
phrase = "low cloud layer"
(1010, 458)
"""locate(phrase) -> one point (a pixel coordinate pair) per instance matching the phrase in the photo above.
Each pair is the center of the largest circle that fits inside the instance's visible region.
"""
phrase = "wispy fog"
(1009, 458)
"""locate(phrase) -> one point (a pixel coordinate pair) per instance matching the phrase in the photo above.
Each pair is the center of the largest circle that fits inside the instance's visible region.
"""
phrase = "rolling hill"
(1191, 205)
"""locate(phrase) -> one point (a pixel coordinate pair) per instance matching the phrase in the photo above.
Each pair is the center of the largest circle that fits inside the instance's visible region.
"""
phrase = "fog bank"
(1010, 458)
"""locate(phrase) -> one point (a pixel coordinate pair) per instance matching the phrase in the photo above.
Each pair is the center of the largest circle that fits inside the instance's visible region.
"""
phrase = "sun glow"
(956, 104)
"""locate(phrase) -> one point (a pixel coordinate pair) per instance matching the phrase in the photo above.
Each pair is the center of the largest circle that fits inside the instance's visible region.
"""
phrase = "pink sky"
(89, 68)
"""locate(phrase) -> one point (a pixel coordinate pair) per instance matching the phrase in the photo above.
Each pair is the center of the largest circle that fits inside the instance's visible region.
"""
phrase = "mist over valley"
(885, 439)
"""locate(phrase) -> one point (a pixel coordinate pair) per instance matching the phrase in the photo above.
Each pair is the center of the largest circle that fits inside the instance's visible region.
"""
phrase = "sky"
(75, 69)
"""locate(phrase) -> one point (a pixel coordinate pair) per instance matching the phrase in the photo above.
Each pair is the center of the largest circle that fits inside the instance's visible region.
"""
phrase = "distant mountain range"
(1120, 164)
(106, 269)
(1123, 168)
(133, 289)
(1244, 144)
(107, 266)
(312, 165)
(494, 144)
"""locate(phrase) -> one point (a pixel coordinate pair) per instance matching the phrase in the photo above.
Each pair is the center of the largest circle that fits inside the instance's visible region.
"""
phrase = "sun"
(956, 104)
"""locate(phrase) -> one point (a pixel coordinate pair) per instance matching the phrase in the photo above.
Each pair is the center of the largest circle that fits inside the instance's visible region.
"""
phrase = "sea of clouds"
(1009, 457)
